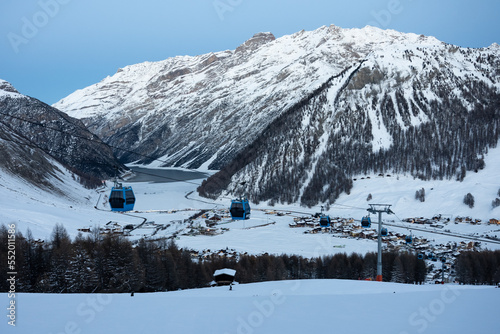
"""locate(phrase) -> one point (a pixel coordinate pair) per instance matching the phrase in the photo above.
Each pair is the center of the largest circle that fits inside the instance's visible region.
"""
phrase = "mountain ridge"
(117, 95)
(208, 111)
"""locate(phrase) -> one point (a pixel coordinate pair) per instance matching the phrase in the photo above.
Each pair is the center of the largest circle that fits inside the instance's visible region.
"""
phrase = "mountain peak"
(256, 41)
(6, 88)
(494, 46)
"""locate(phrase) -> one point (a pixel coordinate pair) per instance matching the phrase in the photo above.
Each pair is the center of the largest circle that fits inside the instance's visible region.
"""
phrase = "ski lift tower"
(379, 208)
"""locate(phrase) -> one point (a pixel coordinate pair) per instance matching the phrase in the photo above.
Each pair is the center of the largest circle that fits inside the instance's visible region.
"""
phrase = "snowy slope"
(306, 306)
(167, 204)
(441, 196)
(32, 131)
(29, 206)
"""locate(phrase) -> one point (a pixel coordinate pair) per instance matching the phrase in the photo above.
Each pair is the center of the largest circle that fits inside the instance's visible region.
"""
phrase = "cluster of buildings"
(439, 257)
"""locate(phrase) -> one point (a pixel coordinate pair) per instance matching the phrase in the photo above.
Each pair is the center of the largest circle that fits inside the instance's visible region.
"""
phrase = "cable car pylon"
(379, 208)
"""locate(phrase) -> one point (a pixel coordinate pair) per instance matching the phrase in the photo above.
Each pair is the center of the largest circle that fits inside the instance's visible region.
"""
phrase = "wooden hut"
(224, 276)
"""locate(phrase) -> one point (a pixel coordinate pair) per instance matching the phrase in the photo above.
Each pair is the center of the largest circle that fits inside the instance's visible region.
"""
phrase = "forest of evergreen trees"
(479, 267)
(112, 264)
(282, 164)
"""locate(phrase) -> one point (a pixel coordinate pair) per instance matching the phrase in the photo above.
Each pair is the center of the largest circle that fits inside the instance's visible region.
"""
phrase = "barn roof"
(225, 271)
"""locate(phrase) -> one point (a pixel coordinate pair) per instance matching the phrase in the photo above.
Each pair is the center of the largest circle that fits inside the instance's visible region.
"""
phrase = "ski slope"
(304, 306)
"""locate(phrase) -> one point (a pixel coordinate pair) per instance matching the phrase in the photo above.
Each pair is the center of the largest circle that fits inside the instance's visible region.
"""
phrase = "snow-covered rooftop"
(225, 271)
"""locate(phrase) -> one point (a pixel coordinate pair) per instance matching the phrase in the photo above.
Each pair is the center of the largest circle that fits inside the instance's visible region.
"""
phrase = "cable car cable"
(98, 141)
(94, 138)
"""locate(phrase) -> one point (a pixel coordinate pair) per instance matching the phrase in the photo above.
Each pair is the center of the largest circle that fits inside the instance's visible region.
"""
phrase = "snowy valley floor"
(321, 306)
(305, 306)
(168, 204)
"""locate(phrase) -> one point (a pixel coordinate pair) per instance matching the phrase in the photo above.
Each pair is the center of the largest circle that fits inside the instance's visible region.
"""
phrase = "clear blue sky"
(50, 48)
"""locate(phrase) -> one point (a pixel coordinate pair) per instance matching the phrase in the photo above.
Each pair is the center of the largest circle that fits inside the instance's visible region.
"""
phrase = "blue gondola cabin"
(366, 222)
(121, 198)
(324, 221)
(240, 209)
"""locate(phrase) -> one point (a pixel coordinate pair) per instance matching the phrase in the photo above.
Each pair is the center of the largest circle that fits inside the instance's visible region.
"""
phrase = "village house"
(224, 276)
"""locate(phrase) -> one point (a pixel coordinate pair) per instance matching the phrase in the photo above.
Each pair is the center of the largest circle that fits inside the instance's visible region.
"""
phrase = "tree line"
(292, 161)
(113, 264)
(478, 267)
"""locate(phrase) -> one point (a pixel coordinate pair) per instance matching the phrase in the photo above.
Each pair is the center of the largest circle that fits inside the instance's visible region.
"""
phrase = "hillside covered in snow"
(40, 143)
(297, 118)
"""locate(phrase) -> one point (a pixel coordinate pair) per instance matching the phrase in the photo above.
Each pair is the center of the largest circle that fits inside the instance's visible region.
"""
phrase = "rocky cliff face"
(35, 135)
(294, 119)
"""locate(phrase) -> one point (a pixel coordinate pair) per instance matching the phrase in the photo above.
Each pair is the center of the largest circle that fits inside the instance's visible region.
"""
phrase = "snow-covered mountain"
(295, 119)
(40, 143)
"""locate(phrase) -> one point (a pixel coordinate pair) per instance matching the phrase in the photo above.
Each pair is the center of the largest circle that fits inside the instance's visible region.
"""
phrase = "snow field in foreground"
(304, 306)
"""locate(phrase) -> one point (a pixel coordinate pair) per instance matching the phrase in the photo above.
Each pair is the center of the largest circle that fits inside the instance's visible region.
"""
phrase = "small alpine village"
(440, 259)
(146, 256)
